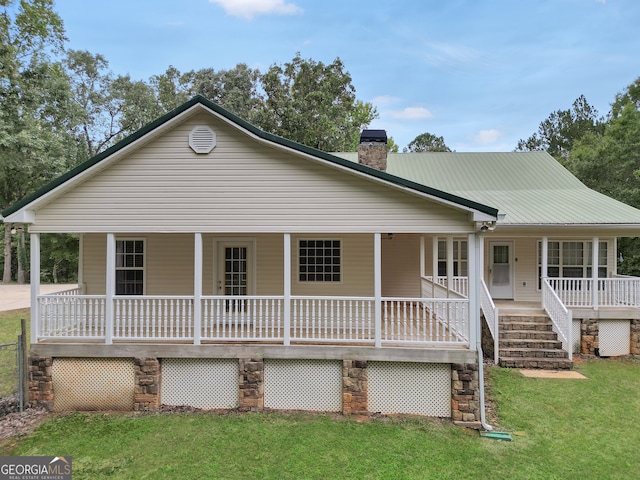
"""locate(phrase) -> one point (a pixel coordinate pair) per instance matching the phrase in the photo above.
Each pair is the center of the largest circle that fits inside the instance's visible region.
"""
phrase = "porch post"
(81, 263)
(197, 288)
(449, 264)
(377, 287)
(110, 287)
(422, 258)
(474, 305)
(594, 271)
(545, 258)
(480, 241)
(434, 267)
(287, 289)
(35, 285)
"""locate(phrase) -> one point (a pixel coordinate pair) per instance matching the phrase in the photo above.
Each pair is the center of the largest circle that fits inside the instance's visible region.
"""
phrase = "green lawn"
(9, 331)
(564, 429)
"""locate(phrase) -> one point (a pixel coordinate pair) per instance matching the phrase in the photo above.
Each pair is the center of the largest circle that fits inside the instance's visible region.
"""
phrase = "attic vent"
(202, 139)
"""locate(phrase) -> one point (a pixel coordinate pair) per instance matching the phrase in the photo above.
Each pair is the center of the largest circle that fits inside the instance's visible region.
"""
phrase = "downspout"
(477, 266)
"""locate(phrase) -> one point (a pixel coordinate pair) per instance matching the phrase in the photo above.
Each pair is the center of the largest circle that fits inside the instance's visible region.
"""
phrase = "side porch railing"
(618, 291)
(351, 320)
(561, 317)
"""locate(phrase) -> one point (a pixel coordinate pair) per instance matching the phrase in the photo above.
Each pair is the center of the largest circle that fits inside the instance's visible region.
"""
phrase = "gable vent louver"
(202, 139)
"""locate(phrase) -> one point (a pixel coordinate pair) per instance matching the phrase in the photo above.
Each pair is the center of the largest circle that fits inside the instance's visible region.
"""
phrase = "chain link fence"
(13, 374)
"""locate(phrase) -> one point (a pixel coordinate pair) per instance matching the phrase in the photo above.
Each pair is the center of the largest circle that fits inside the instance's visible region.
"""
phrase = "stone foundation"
(588, 336)
(354, 387)
(147, 384)
(634, 347)
(40, 382)
(251, 384)
(465, 392)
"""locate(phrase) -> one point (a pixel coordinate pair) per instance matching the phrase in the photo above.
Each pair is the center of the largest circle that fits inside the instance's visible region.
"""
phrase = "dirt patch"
(14, 423)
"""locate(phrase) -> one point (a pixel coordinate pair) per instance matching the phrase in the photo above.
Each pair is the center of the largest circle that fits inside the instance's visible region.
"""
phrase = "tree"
(235, 90)
(34, 96)
(610, 163)
(427, 142)
(563, 128)
(313, 104)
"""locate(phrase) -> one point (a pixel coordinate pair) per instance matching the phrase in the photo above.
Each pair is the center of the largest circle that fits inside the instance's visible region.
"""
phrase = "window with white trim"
(572, 259)
(130, 266)
(319, 260)
(460, 258)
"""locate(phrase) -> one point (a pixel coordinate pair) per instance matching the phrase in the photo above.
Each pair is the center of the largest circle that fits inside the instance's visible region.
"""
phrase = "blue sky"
(481, 73)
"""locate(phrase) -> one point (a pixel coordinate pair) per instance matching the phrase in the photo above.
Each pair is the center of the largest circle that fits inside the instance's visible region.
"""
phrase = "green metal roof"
(529, 188)
(385, 176)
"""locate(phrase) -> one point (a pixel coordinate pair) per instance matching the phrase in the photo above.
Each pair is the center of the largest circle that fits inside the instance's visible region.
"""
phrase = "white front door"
(235, 271)
(501, 270)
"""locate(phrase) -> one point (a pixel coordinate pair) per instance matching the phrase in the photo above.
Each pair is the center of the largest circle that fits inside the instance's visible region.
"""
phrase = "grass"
(562, 429)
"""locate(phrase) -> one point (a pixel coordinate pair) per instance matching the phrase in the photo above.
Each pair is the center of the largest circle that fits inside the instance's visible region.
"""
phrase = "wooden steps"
(527, 340)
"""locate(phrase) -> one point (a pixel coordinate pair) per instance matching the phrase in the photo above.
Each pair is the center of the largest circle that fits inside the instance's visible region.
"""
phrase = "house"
(224, 267)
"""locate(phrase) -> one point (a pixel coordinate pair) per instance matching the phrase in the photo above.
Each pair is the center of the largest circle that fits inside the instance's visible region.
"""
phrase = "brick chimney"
(372, 150)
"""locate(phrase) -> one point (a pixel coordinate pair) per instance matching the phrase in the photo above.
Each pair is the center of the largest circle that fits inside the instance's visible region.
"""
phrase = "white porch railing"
(459, 285)
(245, 318)
(425, 321)
(153, 318)
(332, 319)
(492, 317)
(560, 315)
(611, 292)
(71, 316)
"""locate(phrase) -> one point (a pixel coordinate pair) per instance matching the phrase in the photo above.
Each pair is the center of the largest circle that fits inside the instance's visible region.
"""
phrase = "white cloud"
(442, 54)
(384, 100)
(485, 137)
(248, 9)
(409, 113)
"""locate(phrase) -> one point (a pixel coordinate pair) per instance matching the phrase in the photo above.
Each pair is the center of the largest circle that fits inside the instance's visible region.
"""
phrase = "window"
(129, 267)
(572, 259)
(460, 259)
(319, 261)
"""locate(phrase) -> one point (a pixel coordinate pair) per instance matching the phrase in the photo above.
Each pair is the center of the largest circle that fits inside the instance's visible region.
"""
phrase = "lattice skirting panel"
(410, 388)
(93, 384)
(200, 382)
(614, 337)
(576, 333)
(303, 385)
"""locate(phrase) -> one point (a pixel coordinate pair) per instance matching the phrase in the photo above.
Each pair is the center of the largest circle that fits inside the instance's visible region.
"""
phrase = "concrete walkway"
(15, 297)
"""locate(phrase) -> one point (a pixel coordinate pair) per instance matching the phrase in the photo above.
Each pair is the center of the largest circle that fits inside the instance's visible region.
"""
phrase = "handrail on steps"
(491, 315)
(561, 317)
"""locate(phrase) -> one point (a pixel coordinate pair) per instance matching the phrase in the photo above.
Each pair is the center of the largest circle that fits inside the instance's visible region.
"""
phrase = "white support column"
(35, 286)
(594, 271)
(545, 258)
(449, 264)
(422, 258)
(377, 287)
(474, 304)
(81, 263)
(480, 240)
(434, 277)
(110, 287)
(197, 288)
(287, 289)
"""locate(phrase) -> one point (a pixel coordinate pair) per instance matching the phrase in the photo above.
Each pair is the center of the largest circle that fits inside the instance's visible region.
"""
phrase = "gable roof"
(529, 188)
(201, 102)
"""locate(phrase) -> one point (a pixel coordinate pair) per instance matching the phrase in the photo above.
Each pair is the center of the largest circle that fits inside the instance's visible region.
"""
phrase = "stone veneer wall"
(40, 382)
(588, 336)
(355, 386)
(251, 384)
(465, 392)
(147, 386)
(634, 348)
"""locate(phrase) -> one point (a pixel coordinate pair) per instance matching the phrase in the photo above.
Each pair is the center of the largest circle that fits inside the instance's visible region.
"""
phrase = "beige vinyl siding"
(169, 264)
(401, 266)
(241, 186)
